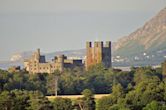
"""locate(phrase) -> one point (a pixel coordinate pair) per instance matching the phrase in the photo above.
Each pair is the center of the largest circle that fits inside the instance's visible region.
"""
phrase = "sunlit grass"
(73, 97)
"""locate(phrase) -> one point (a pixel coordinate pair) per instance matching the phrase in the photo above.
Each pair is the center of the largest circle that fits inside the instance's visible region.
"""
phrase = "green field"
(97, 96)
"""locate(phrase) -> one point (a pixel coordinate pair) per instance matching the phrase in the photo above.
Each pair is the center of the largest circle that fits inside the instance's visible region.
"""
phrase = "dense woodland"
(142, 88)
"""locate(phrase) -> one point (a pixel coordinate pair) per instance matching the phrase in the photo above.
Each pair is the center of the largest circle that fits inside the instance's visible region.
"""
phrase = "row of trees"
(34, 100)
(98, 79)
(140, 89)
(23, 100)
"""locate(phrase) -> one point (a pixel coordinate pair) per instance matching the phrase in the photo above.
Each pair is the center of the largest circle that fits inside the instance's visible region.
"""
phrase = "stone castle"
(100, 53)
(38, 64)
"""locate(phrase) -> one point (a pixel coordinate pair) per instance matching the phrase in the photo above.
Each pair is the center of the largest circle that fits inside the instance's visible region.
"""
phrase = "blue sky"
(54, 25)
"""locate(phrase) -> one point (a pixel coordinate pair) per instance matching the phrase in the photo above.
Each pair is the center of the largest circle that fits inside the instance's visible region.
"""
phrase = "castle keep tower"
(98, 54)
(60, 62)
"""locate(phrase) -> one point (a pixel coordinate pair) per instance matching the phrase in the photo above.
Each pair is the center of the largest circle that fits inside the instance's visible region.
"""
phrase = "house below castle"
(38, 64)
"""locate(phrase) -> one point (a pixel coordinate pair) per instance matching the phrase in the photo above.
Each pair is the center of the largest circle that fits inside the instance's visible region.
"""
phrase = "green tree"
(145, 92)
(154, 105)
(39, 102)
(62, 104)
(104, 103)
(88, 101)
(6, 100)
(117, 107)
(52, 83)
(117, 92)
(21, 99)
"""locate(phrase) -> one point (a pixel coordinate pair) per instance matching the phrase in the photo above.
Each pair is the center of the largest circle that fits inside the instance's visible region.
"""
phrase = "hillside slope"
(149, 38)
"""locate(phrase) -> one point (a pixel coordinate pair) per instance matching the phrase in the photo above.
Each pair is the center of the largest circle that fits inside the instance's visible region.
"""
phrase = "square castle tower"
(98, 54)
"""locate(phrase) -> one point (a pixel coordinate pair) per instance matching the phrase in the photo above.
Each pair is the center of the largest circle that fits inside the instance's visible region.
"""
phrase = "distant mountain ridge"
(69, 53)
(151, 37)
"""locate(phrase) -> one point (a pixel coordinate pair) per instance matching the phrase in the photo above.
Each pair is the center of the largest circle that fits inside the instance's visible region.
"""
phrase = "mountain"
(149, 38)
(20, 56)
(145, 46)
(6, 64)
(69, 53)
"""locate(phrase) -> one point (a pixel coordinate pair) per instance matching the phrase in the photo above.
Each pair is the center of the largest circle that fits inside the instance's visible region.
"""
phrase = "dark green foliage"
(74, 81)
(117, 94)
(145, 87)
(62, 104)
(141, 88)
(104, 103)
(6, 100)
(154, 105)
(38, 102)
(88, 101)
(21, 99)
(23, 81)
(24, 100)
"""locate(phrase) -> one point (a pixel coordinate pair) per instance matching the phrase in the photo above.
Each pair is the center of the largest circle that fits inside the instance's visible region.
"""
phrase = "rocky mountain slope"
(149, 38)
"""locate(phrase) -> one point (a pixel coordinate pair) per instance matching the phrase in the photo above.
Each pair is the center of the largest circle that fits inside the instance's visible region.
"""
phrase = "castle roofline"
(98, 44)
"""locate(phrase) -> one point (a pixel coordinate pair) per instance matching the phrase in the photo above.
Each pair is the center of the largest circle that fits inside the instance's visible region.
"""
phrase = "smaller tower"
(108, 44)
(89, 54)
(88, 44)
(38, 51)
(37, 55)
(60, 61)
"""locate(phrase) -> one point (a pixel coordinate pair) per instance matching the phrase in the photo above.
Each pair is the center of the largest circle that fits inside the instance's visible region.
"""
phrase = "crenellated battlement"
(98, 44)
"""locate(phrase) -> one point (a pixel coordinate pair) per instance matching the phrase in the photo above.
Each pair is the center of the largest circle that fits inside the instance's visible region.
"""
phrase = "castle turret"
(108, 44)
(37, 56)
(38, 51)
(88, 44)
(89, 56)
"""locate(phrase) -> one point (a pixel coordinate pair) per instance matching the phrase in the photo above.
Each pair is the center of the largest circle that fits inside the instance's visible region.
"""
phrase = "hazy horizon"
(55, 25)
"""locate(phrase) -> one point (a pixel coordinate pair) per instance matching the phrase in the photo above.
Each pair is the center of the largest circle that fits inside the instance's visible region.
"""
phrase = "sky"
(55, 25)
